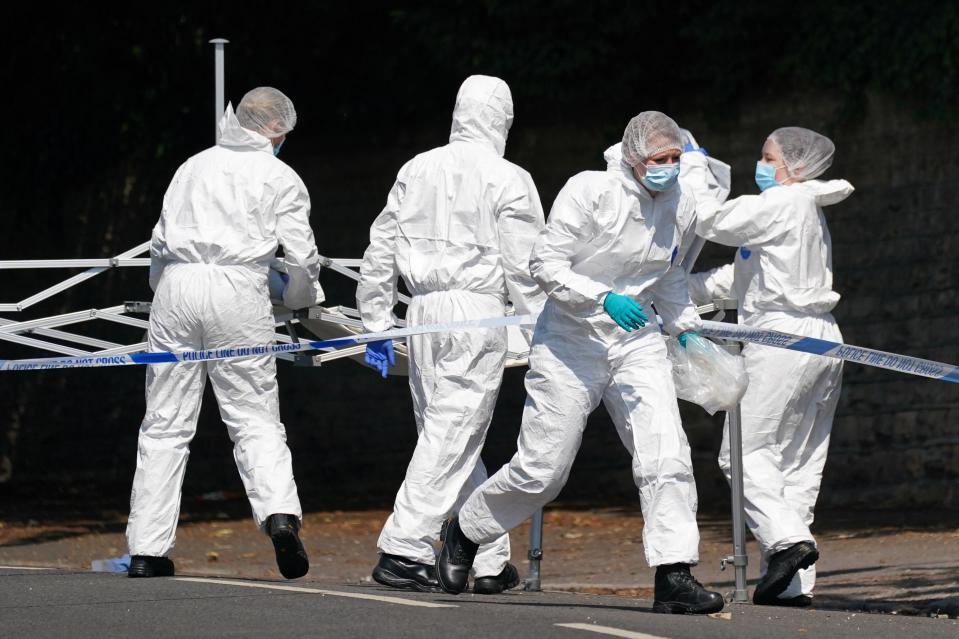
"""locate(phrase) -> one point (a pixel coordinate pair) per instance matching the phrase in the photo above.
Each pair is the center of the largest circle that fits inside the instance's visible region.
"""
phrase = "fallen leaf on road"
(212, 555)
(223, 532)
(722, 615)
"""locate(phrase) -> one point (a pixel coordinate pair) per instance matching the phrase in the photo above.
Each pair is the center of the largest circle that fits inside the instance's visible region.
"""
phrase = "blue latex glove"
(277, 281)
(685, 336)
(380, 356)
(625, 311)
(114, 564)
(690, 148)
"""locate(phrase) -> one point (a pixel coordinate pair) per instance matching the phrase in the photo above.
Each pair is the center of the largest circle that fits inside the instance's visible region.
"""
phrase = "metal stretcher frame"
(342, 320)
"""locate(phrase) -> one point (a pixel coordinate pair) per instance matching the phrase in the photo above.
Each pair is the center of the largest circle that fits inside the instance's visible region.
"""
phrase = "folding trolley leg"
(535, 554)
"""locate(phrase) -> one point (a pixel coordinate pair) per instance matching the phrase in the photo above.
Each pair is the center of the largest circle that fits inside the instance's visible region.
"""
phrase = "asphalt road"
(51, 603)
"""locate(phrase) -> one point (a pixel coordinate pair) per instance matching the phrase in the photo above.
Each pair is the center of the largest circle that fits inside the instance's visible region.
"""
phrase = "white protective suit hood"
(614, 157)
(229, 133)
(617, 165)
(483, 112)
(828, 192)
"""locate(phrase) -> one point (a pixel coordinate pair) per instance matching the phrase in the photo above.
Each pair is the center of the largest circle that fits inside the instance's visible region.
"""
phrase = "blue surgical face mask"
(765, 176)
(660, 177)
(276, 149)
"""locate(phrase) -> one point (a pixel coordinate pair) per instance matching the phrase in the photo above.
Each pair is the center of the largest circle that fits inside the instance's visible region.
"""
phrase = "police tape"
(825, 348)
(734, 332)
(239, 352)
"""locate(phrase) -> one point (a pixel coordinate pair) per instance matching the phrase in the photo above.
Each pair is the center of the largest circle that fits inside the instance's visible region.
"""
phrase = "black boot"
(506, 579)
(455, 558)
(799, 601)
(783, 566)
(146, 566)
(678, 592)
(291, 558)
(399, 572)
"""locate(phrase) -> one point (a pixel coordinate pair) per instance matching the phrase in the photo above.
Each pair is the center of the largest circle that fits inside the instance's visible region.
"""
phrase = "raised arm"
(745, 220)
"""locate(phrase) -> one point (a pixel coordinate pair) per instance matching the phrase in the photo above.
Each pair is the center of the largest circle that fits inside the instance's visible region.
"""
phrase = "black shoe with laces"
(506, 579)
(291, 557)
(678, 592)
(146, 566)
(783, 566)
(455, 559)
(399, 572)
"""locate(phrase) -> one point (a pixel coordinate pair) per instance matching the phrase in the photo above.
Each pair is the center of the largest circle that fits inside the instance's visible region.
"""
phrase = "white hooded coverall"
(782, 279)
(605, 233)
(223, 216)
(458, 226)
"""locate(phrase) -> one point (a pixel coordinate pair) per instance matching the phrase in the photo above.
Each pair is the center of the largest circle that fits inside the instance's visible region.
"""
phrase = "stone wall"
(896, 438)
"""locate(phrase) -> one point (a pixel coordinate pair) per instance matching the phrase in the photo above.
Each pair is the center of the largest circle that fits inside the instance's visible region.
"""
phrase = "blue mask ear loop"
(276, 149)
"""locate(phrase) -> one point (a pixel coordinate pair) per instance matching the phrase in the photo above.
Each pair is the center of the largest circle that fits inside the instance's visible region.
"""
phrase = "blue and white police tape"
(238, 352)
(846, 352)
(719, 330)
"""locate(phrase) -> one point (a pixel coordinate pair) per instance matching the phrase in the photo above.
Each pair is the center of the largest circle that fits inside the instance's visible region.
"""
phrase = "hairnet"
(266, 111)
(806, 153)
(649, 133)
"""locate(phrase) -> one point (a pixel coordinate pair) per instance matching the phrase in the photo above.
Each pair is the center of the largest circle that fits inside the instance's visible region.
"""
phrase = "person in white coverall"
(782, 279)
(458, 226)
(224, 214)
(607, 256)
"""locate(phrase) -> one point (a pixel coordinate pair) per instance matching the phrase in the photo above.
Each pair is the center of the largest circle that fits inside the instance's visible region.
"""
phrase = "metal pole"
(739, 558)
(218, 104)
(535, 553)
